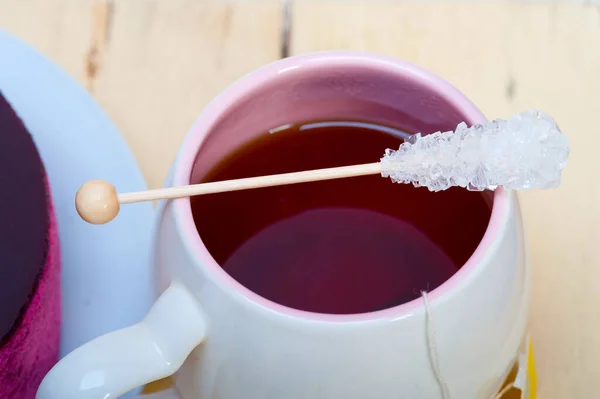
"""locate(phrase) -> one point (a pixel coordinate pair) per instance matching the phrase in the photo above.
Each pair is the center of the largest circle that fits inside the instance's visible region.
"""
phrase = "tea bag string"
(432, 348)
(435, 358)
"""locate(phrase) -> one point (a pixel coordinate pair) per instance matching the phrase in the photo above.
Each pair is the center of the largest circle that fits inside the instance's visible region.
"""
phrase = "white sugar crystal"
(526, 151)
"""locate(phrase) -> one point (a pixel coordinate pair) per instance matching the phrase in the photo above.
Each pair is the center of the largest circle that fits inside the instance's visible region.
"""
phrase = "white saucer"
(106, 279)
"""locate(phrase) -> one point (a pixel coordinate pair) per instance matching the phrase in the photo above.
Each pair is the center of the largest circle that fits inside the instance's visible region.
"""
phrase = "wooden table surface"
(154, 64)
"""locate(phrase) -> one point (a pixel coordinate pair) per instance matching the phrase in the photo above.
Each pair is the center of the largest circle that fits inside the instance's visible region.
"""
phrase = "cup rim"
(182, 171)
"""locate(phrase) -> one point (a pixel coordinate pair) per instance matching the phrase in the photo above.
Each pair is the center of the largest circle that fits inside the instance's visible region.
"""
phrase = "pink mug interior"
(323, 86)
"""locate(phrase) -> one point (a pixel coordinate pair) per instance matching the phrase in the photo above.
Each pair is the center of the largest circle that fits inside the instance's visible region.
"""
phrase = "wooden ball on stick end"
(97, 202)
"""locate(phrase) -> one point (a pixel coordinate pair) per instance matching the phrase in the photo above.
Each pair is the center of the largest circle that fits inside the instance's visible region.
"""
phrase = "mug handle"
(120, 361)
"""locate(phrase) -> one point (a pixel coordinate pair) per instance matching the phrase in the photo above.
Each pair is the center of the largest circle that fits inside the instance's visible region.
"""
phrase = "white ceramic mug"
(226, 342)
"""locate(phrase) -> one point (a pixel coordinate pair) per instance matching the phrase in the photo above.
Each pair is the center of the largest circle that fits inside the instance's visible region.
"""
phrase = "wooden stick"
(251, 182)
(97, 201)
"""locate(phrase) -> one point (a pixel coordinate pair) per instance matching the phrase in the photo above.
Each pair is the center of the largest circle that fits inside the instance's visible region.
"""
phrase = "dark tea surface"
(343, 246)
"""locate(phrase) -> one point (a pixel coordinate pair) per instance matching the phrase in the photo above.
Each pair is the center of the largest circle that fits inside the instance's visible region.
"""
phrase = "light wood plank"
(61, 29)
(507, 58)
(152, 65)
(166, 60)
